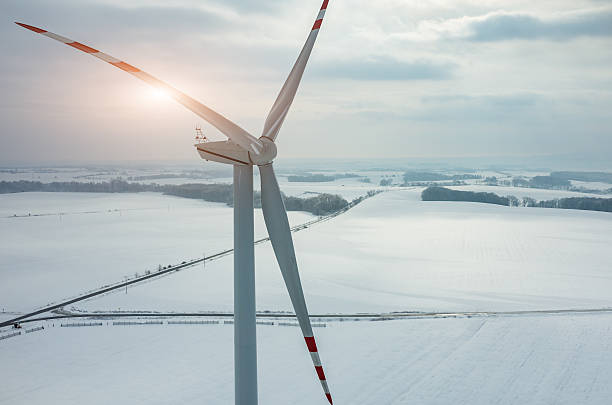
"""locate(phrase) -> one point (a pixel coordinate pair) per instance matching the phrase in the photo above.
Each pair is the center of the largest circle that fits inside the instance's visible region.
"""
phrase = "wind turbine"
(243, 151)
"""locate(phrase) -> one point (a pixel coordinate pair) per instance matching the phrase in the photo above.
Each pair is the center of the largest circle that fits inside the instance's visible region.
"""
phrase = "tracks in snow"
(345, 317)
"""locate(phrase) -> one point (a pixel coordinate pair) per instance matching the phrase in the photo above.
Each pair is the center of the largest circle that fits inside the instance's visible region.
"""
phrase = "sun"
(158, 94)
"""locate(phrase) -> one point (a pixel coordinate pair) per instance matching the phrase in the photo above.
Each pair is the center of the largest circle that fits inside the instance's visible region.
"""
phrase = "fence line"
(34, 329)
(10, 335)
(78, 324)
(193, 322)
(314, 325)
(123, 323)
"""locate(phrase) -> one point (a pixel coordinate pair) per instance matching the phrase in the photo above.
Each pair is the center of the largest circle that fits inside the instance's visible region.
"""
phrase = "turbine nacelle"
(229, 153)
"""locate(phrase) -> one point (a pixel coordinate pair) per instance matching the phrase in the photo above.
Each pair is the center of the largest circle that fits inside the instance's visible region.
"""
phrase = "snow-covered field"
(393, 252)
(471, 361)
(49, 257)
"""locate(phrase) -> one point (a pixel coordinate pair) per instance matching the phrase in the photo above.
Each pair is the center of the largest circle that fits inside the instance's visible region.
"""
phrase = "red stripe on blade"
(125, 66)
(324, 6)
(310, 342)
(329, 398)
(320, 372)
(317, 24)
(83, 47)
(38, 30)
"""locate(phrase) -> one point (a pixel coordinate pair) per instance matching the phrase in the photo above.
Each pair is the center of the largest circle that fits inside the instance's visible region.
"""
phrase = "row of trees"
(113, 186)
(601, 177)
(416, 176)
(547, 182)
(445, 194)
(321, 204)
(319, 178)
(576, 203)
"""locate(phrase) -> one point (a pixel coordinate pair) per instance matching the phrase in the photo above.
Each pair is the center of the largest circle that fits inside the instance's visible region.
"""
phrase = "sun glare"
(158, 94)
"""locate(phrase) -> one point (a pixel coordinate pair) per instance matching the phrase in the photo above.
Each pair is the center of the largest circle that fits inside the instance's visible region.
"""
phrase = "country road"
(337, 317)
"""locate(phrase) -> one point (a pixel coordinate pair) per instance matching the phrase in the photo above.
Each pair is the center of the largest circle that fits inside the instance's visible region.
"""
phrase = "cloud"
(250, 6)
(386, 68)
(498, 100)
(499, 27)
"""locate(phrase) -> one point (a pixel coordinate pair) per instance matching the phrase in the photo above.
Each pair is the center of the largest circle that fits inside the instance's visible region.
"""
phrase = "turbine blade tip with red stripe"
(30, 27)
(329, 398)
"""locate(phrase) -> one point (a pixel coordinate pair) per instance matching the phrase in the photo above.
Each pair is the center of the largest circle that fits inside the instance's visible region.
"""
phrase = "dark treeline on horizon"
(321, 204)
(601, 177)
(577, 203)
(412, 176)
(319, 178)
(446, 194)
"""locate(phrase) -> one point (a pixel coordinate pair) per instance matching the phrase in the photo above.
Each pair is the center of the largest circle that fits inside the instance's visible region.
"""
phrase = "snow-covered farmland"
(541, 359)
(100, 239)
(393, 252)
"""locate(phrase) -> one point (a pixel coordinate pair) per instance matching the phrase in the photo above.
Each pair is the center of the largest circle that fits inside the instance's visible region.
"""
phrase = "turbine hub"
(268, 152)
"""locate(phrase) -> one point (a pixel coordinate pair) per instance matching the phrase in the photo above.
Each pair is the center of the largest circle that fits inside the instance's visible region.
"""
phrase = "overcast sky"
(387, 78)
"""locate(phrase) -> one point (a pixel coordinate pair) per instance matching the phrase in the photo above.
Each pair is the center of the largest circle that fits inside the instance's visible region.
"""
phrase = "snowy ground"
(394, 252)
(501, 360)
(49, 257)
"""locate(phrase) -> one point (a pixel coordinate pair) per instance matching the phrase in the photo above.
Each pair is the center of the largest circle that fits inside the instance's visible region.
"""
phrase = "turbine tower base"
(245, 343)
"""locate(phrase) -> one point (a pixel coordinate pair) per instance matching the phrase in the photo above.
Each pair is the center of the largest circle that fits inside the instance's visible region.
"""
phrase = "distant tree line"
(576, 203)
(412, 176)
(546, 182)
(601, 177)
(446, 194)
(194, 174)
(112, 186)
(556, 181)
(319, 178)
(222, 193)
(321, 204)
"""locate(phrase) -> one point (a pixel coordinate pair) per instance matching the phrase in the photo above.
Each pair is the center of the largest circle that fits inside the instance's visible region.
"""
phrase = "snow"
(394, 252)
(560, 359)
(46, 258)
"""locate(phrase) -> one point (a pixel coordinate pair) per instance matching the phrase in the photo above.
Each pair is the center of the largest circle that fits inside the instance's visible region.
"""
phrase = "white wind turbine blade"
(277, 223)
(235, 133)
(279, 110)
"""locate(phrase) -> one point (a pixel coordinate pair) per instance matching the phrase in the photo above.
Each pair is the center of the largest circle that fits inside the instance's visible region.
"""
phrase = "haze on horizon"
(392, 79)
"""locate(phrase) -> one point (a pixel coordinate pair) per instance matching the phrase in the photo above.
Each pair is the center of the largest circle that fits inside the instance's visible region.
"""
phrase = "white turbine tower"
(243, 151)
